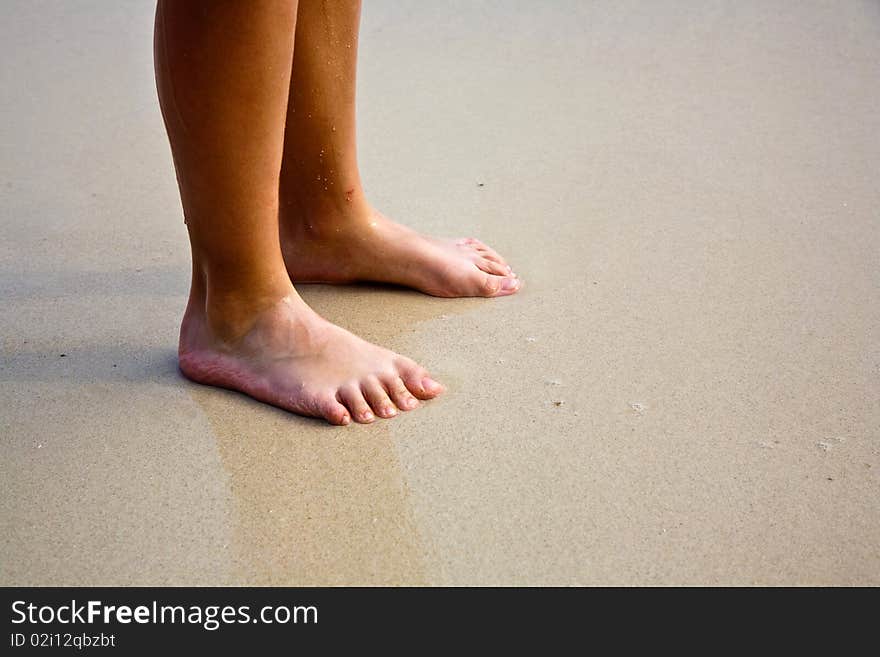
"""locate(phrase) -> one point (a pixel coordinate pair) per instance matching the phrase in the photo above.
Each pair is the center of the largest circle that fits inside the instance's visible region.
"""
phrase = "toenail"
(430, 385)
(367, 415)
(389, 410)
(510, 284)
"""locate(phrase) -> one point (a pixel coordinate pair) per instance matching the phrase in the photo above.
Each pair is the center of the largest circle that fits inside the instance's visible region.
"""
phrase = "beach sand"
(687, 390)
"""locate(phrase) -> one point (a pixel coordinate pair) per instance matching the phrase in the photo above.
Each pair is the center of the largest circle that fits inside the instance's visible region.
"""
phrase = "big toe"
(417, 380)
(490, 285)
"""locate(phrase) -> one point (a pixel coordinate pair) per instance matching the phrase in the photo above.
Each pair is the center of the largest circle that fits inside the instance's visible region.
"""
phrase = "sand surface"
(687, 390)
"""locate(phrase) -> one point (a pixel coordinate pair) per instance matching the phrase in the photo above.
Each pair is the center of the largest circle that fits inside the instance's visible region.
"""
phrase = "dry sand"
(685, 392)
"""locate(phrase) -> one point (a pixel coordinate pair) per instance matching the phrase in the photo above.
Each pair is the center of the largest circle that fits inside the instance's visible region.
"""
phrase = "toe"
(417, 380)
(378, 398)
(492, 267)
(402, 397)
(488, 252)
(495, 286)
(352, 397)
(335, 413)
(494, 257)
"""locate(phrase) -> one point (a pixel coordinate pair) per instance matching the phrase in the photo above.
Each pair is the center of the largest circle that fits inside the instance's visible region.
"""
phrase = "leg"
(223, 76)
(329, 232)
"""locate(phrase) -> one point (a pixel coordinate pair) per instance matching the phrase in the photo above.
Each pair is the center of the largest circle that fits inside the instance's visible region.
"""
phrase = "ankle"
(320, 215)
(227, 314)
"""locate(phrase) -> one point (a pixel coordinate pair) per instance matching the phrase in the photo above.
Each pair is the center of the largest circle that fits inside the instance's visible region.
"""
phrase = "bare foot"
(367, 246)
(292, 358)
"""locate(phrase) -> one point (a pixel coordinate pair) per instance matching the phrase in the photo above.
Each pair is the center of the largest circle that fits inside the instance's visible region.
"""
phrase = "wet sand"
(685, 392)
